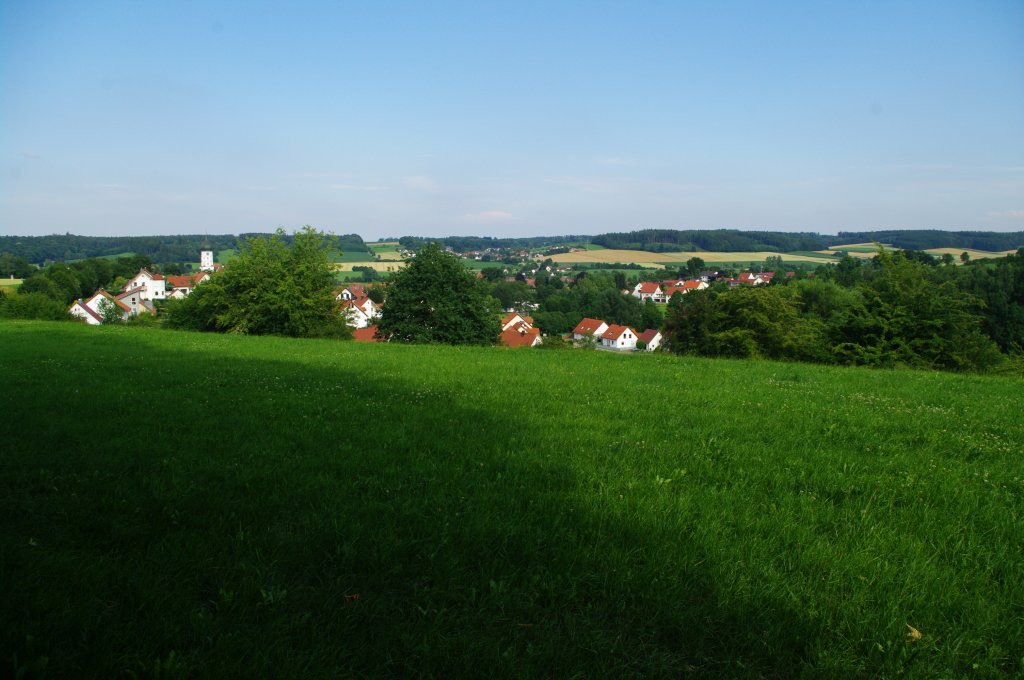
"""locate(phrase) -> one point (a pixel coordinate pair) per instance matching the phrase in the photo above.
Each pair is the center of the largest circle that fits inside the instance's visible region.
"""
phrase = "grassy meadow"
(187, 505)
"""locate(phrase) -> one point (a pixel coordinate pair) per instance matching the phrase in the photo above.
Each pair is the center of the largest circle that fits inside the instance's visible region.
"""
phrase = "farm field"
(387, 250)
(975, 254)
(308, 508)
(10, 284)
(383, 266)
(641, 257)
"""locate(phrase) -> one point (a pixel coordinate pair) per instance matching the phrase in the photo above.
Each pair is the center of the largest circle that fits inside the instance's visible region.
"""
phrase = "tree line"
(42, 250)
(894, 310)
(733, 240)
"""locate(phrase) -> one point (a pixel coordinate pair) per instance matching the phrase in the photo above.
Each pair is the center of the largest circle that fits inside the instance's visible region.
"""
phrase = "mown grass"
(182, 505)
(11, 284)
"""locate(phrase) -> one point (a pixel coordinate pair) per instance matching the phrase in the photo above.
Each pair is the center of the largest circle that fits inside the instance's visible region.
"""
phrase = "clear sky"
(510, 118)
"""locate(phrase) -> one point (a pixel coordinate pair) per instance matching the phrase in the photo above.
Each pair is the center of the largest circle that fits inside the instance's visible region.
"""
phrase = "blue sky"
(510, 118)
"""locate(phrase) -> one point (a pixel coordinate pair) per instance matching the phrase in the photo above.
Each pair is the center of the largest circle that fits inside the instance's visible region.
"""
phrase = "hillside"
(735, 240)
(177, 504)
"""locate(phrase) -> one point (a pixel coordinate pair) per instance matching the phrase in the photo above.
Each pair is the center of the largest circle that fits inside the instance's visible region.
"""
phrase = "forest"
(43, 250)
(893, 310)
(733, 240)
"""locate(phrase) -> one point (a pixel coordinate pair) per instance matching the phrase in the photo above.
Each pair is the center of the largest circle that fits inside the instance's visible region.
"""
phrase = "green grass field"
(186, 505)
(10, 284)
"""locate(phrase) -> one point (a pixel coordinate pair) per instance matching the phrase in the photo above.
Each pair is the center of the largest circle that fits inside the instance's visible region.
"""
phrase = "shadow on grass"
(194, 514)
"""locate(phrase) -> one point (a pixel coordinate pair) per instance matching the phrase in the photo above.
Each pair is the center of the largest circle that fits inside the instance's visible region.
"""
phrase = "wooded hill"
(734, 240)
(159, 249)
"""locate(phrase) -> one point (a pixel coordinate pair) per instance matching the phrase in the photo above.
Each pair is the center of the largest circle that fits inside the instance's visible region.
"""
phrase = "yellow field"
(641, 257)
(852, 253)
(975, 254)
(11, 283)
(383, 266)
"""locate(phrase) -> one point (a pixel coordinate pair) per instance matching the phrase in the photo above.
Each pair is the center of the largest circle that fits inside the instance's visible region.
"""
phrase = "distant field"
(859, 248)
(103, 257)
(867, 253)
(975, 254)
(10, 284)
(498, 513)
(379, 266)
(224, 256)
(387, 250)
(642, 257)
(862, 254)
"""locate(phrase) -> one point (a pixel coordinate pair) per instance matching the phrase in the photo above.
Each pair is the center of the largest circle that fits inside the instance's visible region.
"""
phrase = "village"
(142, 294)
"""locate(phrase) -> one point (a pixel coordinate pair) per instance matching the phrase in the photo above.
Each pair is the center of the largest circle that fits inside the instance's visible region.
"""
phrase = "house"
(181, 286)
(153, 285)
(520, 336)
(684, 288)
(588, 329)
(651, 338)
(91, 308)
(355, 315)
(518, 331)
(751, 279)
(132, 299)
(350, 293)
(513, 319)
(619, 338)
(646, 290)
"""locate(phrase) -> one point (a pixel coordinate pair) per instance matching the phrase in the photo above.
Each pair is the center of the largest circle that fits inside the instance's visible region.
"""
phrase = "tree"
(695, 266)
(965, 257)
(11, 266)
(652, 317)
(269, 288)
(773, 263)
(947, 259)
(435, 299)
(32, 306)
(111, 312)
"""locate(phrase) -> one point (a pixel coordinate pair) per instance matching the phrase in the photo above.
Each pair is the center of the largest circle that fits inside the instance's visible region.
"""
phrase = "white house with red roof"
(619, 338)
(153, 285)
(684, 288)
(513, 319)
(751, 279)
(645, 290)
(518, 331)
(181, 286)
(651, 338)
(589, 329)
(91, 309)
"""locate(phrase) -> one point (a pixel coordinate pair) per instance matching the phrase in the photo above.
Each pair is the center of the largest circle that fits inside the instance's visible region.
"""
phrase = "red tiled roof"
(649, 287)
(519, 337)
(648, 335)
(588, 326)
(614, 331)
(367, 334)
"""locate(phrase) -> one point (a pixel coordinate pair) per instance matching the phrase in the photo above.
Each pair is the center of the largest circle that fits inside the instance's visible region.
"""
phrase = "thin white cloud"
(355, 187)
(422, 182)
(488, 217)
(321, 175)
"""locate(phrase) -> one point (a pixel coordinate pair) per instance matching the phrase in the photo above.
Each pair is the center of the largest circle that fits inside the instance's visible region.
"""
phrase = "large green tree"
(435, 299)
(270, 288)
